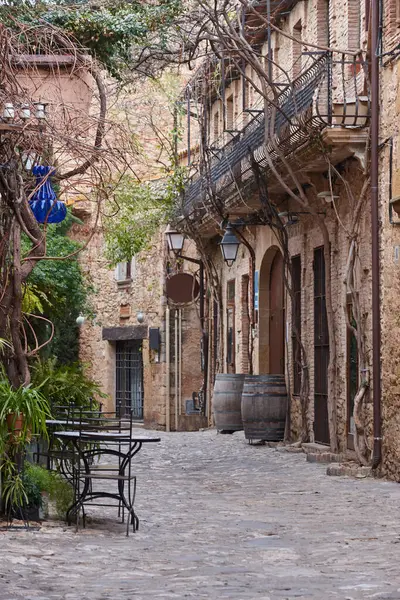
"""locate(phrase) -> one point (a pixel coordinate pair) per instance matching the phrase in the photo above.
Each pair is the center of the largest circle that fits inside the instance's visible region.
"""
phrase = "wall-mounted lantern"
(229, 245)
(175, 239)
(25, 112)
(8, 111)
(40, 110)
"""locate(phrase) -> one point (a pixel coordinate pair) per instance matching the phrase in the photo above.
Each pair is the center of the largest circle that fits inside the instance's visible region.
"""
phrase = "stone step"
(326, 457)
(319, 453)
(314, 448)
(349, 470)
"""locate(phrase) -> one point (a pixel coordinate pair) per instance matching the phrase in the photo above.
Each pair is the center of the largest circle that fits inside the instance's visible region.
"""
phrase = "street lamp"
(229, 245)
(40, 110)
(175, 239)
(8, 111)
(25, 112)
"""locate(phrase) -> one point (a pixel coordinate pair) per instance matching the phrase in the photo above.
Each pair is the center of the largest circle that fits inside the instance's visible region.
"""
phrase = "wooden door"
(296, 324)
(277, 317)
(230, 327)
(352, 374)
(321, 351)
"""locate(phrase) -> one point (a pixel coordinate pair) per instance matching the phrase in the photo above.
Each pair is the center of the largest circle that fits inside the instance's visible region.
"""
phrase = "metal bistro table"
(91, 444)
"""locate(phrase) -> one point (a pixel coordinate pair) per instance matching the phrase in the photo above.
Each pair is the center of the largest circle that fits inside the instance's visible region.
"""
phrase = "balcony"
(325, 102)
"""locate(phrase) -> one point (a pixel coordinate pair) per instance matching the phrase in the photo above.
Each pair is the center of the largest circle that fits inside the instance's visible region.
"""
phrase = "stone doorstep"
(326, 457)
(349, 469)
(314, 448)
(319, 453)
(295, 448)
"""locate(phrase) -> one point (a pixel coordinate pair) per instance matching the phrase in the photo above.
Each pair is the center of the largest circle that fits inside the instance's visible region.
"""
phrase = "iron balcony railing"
(327, 94)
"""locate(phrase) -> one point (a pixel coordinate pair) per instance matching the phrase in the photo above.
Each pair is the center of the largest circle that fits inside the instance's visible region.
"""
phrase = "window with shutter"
(120, 271)
(125, 271)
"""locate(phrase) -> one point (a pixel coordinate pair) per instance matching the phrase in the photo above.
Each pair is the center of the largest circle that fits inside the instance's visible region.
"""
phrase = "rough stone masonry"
(219, 519)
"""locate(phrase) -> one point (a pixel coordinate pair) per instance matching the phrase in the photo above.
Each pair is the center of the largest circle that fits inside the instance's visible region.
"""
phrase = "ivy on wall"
(109, 29)
(141, 209)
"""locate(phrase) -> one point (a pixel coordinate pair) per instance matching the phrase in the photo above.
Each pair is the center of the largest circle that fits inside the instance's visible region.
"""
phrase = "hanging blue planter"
(44, 203)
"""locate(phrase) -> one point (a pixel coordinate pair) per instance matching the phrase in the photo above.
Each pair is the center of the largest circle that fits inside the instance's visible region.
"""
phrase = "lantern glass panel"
(175, 240)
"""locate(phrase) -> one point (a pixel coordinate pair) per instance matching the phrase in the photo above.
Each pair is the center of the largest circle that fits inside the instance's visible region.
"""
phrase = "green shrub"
(66, 384)
(59, 490)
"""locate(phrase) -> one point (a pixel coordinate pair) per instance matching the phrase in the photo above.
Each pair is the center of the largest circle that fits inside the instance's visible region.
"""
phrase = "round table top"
(107, 436)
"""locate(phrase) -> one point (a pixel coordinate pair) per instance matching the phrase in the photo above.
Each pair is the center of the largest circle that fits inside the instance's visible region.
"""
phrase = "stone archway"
(271, 336)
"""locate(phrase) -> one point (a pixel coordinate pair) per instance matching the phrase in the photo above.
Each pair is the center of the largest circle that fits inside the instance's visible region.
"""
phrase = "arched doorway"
(271, 357)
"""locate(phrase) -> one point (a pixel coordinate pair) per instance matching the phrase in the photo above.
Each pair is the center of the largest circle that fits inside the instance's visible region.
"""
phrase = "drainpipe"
(176, 370)
(167, 368)
(376, 316)
(180, 360)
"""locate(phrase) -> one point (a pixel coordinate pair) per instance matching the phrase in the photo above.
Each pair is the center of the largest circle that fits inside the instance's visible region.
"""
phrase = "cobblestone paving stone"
(220, 519)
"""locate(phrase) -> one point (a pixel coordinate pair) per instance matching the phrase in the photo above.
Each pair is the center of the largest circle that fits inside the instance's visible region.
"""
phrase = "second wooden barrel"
(227, 401)
(264, 405)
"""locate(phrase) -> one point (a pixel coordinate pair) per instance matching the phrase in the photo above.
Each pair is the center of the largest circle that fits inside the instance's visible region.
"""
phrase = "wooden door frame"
(264, 338)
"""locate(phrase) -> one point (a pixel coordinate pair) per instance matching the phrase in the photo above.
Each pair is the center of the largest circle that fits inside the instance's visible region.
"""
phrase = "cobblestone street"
(220, 519)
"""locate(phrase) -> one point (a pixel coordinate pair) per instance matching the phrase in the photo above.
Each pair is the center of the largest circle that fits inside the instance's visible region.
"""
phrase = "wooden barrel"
(264, 405)
(227, 401)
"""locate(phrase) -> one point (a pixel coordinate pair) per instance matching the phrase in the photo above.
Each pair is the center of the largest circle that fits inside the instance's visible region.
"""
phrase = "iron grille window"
(129, 379)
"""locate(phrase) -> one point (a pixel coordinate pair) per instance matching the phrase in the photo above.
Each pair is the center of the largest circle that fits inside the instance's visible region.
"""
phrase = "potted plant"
(41, 486)
(23, 411)
(22, 494)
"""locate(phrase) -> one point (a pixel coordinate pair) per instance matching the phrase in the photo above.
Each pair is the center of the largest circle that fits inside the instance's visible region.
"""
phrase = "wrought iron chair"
(90, 443)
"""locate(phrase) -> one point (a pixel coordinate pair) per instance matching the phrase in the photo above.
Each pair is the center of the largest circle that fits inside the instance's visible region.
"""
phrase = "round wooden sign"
(182, 288)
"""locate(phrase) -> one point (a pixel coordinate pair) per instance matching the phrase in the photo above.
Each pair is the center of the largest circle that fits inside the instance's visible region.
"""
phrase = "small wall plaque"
(124, 311)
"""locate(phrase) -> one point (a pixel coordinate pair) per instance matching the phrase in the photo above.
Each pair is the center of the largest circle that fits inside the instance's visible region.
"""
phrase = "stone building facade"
(124, 345)
(338, 93)
(255, 327)
(389, 187)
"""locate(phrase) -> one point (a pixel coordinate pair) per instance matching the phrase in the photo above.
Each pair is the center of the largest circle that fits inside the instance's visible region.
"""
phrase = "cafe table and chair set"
(95, 452)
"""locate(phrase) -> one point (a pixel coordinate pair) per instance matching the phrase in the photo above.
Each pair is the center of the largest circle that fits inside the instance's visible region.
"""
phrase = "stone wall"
(145, 111)
(116, 304)
(344, 26)
(390, 269)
